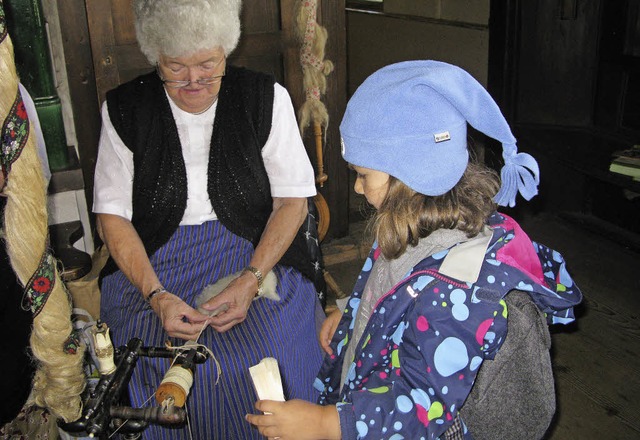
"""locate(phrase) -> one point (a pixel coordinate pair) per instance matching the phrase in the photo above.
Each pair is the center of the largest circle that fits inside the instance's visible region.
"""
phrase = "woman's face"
(372, 184)
(205, 64)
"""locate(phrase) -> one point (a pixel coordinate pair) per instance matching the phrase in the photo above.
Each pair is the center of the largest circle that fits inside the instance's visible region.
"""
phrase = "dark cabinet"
(567, 75)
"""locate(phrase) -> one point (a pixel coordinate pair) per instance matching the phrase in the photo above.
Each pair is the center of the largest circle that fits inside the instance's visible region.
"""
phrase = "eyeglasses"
(178, 84)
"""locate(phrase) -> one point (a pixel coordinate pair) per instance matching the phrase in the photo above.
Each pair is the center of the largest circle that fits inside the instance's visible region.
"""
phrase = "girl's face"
(372, 184)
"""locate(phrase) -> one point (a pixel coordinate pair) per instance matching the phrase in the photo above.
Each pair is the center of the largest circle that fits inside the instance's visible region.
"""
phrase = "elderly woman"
(202, 173)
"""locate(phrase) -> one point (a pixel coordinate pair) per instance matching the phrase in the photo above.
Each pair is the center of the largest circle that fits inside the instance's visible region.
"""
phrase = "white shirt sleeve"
(285, 158)
(113, 178)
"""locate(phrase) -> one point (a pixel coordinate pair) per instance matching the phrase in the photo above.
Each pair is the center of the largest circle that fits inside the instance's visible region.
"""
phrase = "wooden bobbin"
(175, 385)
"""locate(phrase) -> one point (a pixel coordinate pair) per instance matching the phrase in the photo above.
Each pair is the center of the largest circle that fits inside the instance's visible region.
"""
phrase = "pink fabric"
(519, 252)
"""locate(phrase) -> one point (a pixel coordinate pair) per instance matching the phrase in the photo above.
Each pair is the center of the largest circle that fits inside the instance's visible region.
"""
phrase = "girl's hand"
(328, 329)
(178, 318)
(296, 420)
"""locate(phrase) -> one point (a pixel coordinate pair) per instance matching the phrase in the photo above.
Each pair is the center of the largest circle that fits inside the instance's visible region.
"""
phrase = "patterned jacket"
(427, 337)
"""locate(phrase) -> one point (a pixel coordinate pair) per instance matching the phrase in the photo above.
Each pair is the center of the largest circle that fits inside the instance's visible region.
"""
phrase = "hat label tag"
(441, 137)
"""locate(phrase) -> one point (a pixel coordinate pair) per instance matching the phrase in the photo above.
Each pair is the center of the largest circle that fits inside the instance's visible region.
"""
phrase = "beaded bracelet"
(157, 291)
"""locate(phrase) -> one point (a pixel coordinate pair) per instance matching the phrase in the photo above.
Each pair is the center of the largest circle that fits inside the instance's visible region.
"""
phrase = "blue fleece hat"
(410, 119)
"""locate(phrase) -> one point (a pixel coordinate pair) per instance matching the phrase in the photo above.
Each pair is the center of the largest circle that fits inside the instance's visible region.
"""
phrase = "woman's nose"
(194, 74)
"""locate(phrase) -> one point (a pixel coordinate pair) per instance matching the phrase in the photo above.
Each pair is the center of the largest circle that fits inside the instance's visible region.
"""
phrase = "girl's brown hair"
(405, 216)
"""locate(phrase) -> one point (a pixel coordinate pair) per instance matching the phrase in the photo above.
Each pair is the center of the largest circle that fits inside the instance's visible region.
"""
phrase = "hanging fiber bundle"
(315, 68)
(59, 378)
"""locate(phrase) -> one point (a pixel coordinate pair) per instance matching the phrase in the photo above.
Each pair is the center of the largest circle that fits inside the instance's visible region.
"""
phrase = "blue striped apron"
(195, 256)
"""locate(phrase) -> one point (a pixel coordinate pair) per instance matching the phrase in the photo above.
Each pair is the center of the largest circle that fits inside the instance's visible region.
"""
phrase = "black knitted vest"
(238, 184)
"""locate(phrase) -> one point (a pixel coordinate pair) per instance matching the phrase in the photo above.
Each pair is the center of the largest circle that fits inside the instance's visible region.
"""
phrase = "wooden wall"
(572, 64)
(567, 75)
(376, 39)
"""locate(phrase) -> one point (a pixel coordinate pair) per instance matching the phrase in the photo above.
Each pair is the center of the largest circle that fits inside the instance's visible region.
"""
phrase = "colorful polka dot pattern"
(427, 338)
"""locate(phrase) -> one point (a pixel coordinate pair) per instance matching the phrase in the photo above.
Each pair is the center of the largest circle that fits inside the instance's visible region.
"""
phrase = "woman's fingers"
(185, 330)
(179, 319)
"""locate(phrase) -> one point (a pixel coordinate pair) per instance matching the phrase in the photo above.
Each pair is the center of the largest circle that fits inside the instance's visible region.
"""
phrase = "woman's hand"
(328, 329)
(178, 319)
(231, 305)
(296, 420)
(286, 217)
(126, 248)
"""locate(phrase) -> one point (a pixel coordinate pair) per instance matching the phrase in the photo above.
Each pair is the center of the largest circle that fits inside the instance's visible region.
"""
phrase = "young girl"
(430, 304)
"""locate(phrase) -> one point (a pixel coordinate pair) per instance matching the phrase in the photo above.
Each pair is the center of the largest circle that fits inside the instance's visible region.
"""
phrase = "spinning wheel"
(324, 216)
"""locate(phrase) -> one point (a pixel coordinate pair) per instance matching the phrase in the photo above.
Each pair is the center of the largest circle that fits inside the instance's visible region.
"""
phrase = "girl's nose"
(357, 187)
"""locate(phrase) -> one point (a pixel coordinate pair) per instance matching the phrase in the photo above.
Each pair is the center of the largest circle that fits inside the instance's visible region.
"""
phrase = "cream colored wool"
(313, 39)
(59, 379)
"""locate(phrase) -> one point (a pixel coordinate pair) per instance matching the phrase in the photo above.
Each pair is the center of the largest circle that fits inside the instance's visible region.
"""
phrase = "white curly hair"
(176, 28)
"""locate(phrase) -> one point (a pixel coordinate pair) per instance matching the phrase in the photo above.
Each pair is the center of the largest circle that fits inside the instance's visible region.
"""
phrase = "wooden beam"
(82, 88)
(105, 62)
(331, 15)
